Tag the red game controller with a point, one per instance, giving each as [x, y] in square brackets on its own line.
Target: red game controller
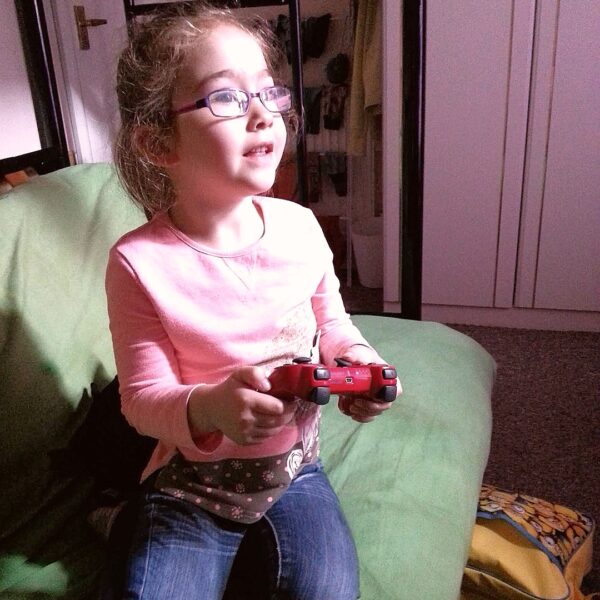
[315, 382]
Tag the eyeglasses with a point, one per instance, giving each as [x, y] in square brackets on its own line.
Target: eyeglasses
[235, 103]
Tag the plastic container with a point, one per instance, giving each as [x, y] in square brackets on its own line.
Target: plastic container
[367, 243]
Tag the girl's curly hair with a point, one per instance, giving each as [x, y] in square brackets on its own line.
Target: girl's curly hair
[147, 71]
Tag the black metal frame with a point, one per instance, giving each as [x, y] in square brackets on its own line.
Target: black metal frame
[38, 59]
[413, 132]
[413, 121]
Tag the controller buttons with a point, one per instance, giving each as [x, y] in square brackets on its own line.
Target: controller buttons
[342, 362]
[320, 395]
[389, 373]
[321, 374]
[387, 393]
[302, 360]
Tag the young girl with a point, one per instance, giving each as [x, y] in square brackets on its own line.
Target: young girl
[217, 289]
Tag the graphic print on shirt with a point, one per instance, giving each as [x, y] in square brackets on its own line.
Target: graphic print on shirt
[237, 489]
[296, 332]
[294, 460]
[296, 338]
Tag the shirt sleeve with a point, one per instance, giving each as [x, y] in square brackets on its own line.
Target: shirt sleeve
[153, 399]
[338, 332]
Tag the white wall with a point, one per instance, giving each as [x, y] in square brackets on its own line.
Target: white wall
[19, 133]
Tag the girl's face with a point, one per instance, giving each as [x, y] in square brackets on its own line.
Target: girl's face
[217, 159]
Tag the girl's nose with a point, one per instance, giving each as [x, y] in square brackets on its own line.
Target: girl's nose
[258, 116]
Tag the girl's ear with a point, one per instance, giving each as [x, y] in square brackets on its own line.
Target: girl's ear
[155, 147]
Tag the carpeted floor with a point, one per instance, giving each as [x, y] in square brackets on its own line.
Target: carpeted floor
[546, 407]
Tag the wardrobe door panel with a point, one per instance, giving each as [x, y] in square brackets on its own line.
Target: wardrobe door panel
[568, 269]
[467, 76]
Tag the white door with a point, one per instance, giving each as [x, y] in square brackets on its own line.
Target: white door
[89, 97]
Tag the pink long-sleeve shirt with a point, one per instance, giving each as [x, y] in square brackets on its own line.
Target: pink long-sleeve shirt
[182, 315]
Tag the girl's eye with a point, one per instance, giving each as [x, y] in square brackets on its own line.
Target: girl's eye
[228, 103]
[225, 96]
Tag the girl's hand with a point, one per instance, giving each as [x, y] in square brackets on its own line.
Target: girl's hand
[361, 408]
[239, 407]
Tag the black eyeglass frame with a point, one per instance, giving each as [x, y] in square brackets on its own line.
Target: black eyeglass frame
[205, 102]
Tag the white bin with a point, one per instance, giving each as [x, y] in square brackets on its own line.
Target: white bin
[367, 242]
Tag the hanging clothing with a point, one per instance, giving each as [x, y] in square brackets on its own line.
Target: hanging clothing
[367, 73]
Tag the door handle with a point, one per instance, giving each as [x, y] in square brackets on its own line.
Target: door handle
[82, 24]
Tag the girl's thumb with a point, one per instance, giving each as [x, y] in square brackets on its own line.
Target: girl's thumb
[253, 377]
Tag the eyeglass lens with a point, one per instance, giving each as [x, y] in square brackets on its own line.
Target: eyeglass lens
[228, 103]
[276, 99]
[232, 103]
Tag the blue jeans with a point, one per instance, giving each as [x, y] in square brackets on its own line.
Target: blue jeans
[180, 551]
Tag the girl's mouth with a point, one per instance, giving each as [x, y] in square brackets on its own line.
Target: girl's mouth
[260, 150]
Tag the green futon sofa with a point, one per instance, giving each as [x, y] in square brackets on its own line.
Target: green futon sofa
[409, 482]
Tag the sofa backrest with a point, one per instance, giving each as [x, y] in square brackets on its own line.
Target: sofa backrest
[55, 233]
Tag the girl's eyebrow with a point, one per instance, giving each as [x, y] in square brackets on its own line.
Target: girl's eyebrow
[228, 73]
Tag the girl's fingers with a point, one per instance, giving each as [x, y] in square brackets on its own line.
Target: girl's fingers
[262, 433]
[363, 408]
[254, 378]
[269, 423]
[275, 418]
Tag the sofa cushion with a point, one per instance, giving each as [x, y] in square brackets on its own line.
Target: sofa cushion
[409, 482]
[55, 233]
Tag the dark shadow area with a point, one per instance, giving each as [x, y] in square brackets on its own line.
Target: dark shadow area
[45, 542]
